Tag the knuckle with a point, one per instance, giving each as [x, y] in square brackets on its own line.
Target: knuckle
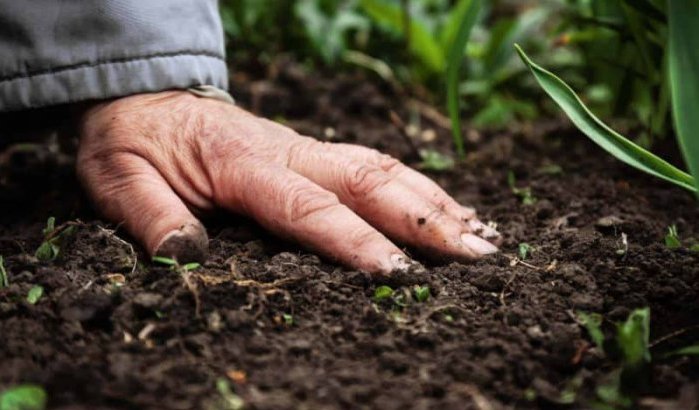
[306, 201]
[365, 179]
[386, 162]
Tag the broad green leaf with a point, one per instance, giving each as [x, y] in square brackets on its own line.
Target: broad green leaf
[423, 44]
[456, 55]
[25, 397]
[611, 141]
[35, 294]
[633, 336]
[684, 83]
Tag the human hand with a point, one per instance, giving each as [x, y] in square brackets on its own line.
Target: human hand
[149, 161]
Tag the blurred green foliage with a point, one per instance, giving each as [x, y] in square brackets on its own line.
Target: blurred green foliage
[611, 50]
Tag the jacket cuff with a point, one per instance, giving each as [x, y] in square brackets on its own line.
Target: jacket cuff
[113, 78]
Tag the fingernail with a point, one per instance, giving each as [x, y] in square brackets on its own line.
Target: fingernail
[477, 244]
[484, 231]
[187, 244]
[403, 263]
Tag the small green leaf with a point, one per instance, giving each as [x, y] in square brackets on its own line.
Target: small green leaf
[47, 251]
[25, 397]
[191, 266]
[229, 400]
[524, 250]
[35, 293]
[422, 293]
[694, 248]
[50, 226]
[672, 239]
[4, 281]
[633, 335]
[593, 324]
[164, 261]
[611, 141]
[435, 161]
[686, 351]
[288, 319]
[382, 293]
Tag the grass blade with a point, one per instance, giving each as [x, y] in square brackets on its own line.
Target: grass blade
[455, 56]
[611, 141]
[423, 44]
[684, 84]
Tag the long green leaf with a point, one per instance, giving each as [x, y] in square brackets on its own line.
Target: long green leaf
[611, 141]
[456, 55]
[684, 83]
[423, 44]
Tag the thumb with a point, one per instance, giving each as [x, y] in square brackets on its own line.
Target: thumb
[127, 189]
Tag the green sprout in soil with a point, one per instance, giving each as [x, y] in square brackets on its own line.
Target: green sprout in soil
[227, 399]
[24, 397]
[54, 238]
[4, 282]
[422, 293]
[631, 346]
[435, 161]
[34, 294]
[524, 250]
[174, 265]
[288, 319]
[382, 293]
[672, 239]
[525, 194]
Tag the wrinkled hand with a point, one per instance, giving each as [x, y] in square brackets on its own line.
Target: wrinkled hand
[148, 161]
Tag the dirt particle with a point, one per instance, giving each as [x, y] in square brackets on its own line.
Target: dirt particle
[421, 221]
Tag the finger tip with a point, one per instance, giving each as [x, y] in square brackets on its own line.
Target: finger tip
[188, 243]
[479, 246]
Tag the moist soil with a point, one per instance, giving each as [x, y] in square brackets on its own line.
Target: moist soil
[289, 330]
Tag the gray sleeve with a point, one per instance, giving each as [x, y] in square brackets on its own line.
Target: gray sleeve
[62, 51]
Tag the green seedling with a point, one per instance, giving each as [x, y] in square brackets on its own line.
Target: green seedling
[228, 400]
[4, 282]
[383, 293]
[525, 194]
[288, 319]
[24, 397]
[435, 161]
[524, 250]
[632, 342]
[34, 294]
[551, 169]
[422, 293]
[174, 265]
[672, 239]
[592, 322]
[54, 238]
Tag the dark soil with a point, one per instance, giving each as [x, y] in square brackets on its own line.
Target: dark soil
[287, 329]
